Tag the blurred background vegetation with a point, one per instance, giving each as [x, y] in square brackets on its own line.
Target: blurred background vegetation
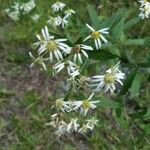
[26, 96]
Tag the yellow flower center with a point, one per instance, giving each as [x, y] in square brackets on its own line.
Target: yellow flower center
[145, 9]
[51, 45]
[59, 103]
[76, 49]
[85, 104]
[145, 1]
[109, 78]
[95, 35]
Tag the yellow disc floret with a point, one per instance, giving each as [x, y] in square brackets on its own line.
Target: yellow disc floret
[109, 78]
[76, 49]
[95, 34]
[59, 103]
[51, 45]
[85, 104]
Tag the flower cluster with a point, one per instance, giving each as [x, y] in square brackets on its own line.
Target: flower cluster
[18, 9]
[61, 55]
[84, 106]
[145, 9]
[60, 20]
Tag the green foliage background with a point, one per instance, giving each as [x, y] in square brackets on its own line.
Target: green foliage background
[124, 118]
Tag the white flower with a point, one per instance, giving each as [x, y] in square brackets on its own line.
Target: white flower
[63, 21]
[91, 123]
[69, 12]
[145, 10]
[78, 50]
[54, 121]
[27, 7]
[43, 37]
[108, 80]
[35, 17]
[72, 126]
[62, 105]
[72, 68]
[84, 105]
[58, 6]
[83, 129]
[54, 21]
[53, 46]
[97, 36]
[62, 128]
[38, 61]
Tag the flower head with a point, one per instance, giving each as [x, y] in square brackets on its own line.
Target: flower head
[60, 104]
[38, 61]
[72, 68]
[145, 9]
[73, 125]
[97, 36]
[69, 12]
[58, 6]
[84, 105]
[52, 46]
[79, 50]
[108, 80]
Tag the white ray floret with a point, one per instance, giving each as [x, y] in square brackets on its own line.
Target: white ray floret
[62, 105]
[55, 47]
[72, 68]
[69, 12]
[91, 123]
[84, 105]
[73, 125]
[97, 36]
[62, 21]
[38, 61]
[145, 9]
[58, 6]
[79, 50]
[108, 80]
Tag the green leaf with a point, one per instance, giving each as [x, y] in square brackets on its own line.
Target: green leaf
[101, 55]
[131, 23]
[107, 103]
[114, 19]
[135, 85]
[128, 82]
[147, 41]
[117, 31]
[136, 42]
[93, 16]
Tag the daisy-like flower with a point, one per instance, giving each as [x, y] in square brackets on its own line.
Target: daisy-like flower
[54, 21]
[38, 61]
[62, 128]
[84, 105]
[62, 105]
[83, 129]
[145, 10]
[78, 50]
[69, 12]
[97, 36]
[72, 68]
[73, 125]
[54, 121]
[52, 46]
[43, 37]
[108, 80]
[62, 21]
[58, 6]
[91, 123]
